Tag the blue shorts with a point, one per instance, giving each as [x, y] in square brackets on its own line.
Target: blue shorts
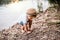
[23, 23]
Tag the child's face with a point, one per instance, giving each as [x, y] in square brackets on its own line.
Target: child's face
[29, 17]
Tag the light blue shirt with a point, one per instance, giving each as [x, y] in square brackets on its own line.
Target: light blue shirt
[22, 20]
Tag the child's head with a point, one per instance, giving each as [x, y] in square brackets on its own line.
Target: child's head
[31, 13]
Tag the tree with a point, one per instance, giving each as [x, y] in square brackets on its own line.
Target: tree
[54, 2]
[6, 1]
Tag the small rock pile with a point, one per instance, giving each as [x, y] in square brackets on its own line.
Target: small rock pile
[46, 26]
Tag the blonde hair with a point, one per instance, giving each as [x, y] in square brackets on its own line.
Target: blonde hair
[32, 12]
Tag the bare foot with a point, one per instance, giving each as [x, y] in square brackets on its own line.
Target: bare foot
[22, 31]
[29, 32]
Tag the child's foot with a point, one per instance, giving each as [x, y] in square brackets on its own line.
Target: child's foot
[22, 31]
[29, 32]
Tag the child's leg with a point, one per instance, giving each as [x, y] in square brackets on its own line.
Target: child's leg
[25, 28]
[22, 29]
[28, 28]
